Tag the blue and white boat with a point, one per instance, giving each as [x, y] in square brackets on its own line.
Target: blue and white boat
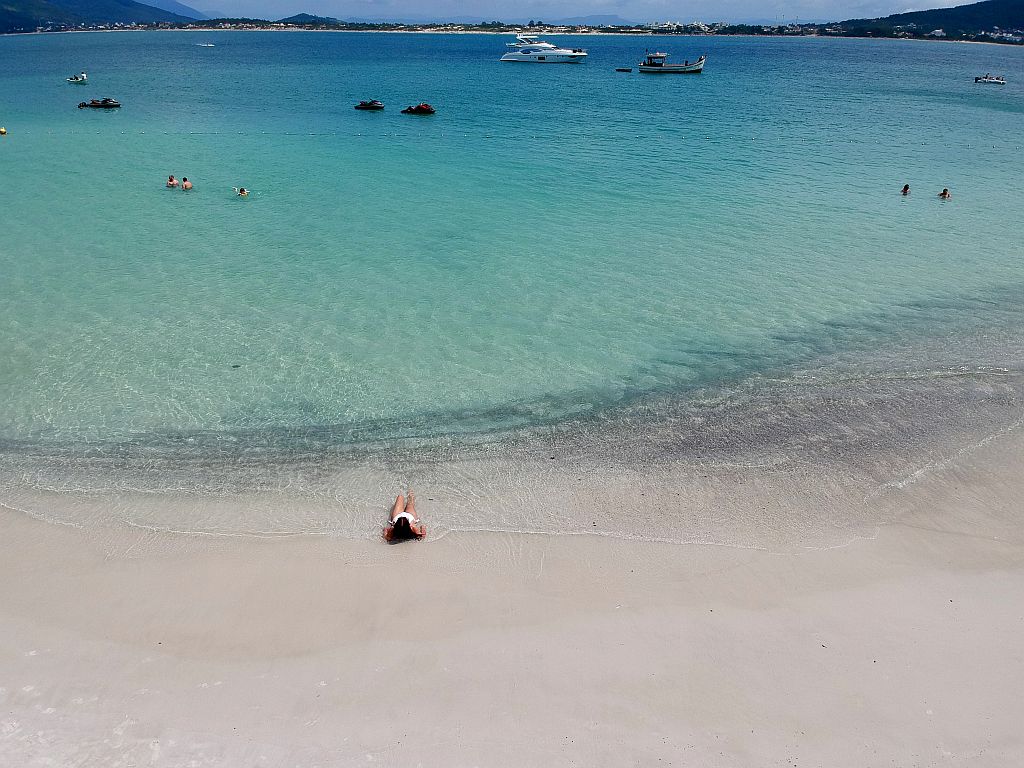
[657, 63]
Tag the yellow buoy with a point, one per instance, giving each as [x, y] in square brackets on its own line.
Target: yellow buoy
[3, 131]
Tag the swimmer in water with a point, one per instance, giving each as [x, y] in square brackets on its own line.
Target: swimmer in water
[172, 182]
[944, 194]
[241, 191]
[906, 190]
[185, 183]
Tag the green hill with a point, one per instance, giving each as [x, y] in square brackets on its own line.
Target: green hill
[306, 18]
[958, 21]
[27, 15]
[179, 8]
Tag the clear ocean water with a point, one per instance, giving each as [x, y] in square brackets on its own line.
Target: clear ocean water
[556, 243]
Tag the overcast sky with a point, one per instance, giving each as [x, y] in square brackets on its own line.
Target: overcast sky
[632, 10]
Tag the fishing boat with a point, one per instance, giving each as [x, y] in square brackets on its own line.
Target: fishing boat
[991, 80]
[657, 63]
[79, 79]
[529, 49]
[373, 105]
[100, 104]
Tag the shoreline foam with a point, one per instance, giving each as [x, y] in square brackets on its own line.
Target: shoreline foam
[821, 451]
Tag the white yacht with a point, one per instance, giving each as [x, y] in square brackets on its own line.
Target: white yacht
[529, 48]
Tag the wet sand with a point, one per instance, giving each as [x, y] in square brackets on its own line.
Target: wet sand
[125, 646]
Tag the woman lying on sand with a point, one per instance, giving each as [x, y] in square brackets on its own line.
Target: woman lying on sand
[403, 523]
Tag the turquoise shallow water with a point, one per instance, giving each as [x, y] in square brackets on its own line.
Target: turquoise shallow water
[557, 241]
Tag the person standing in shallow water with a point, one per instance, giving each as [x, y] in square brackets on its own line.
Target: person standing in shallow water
[402, 522]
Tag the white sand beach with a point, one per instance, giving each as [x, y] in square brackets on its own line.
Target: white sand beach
[125, 647]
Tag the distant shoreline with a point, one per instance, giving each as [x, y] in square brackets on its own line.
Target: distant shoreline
[432, 31]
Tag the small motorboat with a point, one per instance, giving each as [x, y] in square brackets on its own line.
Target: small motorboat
[80, 79]
[100, 104]
[420, 109]
[623, 69]
[991, 80]
[658, 63]
[371, 106]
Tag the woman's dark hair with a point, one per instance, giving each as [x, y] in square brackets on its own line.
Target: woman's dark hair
[401, 529]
